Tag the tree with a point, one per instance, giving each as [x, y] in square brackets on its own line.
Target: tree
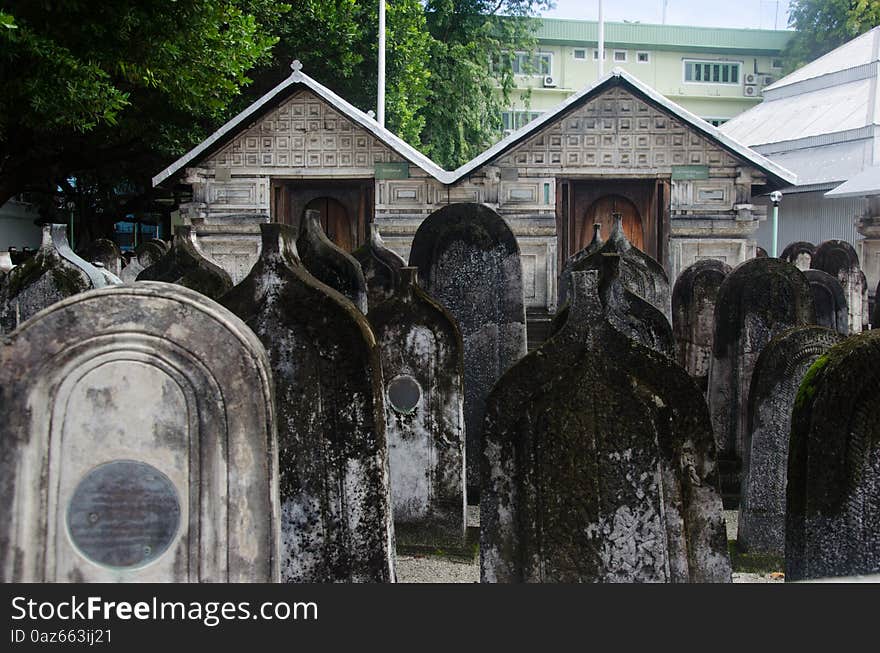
[104, 92]
[823, 25]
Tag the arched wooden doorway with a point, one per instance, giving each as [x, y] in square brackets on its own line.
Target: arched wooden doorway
[602, 212]
[335, 221]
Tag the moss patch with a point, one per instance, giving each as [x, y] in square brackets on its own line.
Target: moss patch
[753, 563]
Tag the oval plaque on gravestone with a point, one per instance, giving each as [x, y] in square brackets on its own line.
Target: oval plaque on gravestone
[123, 514]
[404, 394]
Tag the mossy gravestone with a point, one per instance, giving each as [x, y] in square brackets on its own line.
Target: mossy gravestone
[565, 278]
[830, 301]
[599, 463]
[52, 274]
[145, 255]
[328, 263]
[422, 361]
[693, 315]
[137, 443]
[832, 524]
[468, 260]
[186, 265]
[799, 254]
[335, 505]
[640, 273]
[381, 268]
[105, 252]
[756, 301]
[778, 374]
[839, 259]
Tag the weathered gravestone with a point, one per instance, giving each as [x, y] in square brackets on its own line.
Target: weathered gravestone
[778, 374]
[147, 254]
[328, 263]
[52, 274]
[839, 259]
[336, 523]
[574, 259]
[186, 265]
[138, 443]
[875, 320]
[756, 301]
[829, 300]
[640, 273]
[6, 262]
[381, 267]
[105, 252]
[599, 463]
[422, 361]
[626, 311]
[832, 524]
[799, 254]
[693, 315]
[468, 260]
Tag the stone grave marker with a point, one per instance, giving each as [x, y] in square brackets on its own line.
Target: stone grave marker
[799, 254]
[328, 263]
[147, 254]
[186, 265]
[599, 463]
[52, 274]
[830, 301]
[778, 374]
[138, 443]
[381, 267]
[336, 521]
[839, 259]
[422, 361]
[565, 278]
[468, 261]
[832, 523]
[105, 252]
[693, 315]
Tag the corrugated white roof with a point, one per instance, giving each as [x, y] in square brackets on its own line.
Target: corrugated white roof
[640, 88]
[858, 52]
[298, 77]
[866, 183]
[823, 111]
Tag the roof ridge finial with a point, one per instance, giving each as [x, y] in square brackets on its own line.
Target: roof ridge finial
[296, 66]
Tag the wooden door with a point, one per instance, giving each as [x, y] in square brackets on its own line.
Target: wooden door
[335, 222]
[602, 212]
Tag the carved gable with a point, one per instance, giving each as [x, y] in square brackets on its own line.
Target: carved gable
[304, 132]
[620, 131]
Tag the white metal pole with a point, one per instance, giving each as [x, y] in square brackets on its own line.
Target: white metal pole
[665, 3]
[775, 228]
[601, 42]
[380, 95]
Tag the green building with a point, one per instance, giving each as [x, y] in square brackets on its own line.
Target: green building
[713, 72]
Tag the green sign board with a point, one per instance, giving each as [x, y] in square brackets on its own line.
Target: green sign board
[690, 172]
[396, 170]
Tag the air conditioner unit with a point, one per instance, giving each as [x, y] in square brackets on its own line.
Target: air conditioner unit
[549, 81]
[751, 79]
[750, 90]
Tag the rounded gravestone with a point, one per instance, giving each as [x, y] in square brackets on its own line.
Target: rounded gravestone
[186, 265]
[839, 259]
[830, 301]
[105, 252]
[799, 254]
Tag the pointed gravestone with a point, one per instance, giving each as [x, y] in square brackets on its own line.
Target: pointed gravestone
[336, 523]
[799, 254]
[137, 443]
[833, 495]
[468, 260]
[599, 463]
[756, 301]
[52, 274]
[830, 301]
[105, 252]
[146, 254]
[422, 362]
[779, 371]
[187, 266]
[381, 267]
[640, 273]
[693, 315]
[328, 263]
[574, 259]
[839, 259]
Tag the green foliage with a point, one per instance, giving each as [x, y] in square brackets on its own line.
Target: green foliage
[823, 25]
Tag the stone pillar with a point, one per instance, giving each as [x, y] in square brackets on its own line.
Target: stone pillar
[869, 247]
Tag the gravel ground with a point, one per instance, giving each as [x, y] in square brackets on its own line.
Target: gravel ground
[431, 569]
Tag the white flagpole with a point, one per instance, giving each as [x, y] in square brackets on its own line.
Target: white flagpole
[601, 42]
[380, 95]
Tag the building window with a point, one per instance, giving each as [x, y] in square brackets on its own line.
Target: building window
[596, 55]
[620, 56]
[580, 53]
[776, 63]
[643, 57]
[521, 63]
[513, 120]
[711, 72]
